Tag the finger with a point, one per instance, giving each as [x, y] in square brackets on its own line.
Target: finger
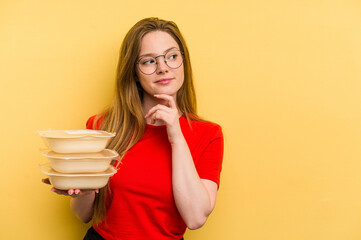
[160, 115]
[157, 108]
[60, 192]
[154, 118]
[73, 192]
[168, 98]
[46, 180]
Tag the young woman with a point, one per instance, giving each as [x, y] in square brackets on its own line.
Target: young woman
[169, 172]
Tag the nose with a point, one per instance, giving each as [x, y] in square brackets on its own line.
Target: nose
[161, 65]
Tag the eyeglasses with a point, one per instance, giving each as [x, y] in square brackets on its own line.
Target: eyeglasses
[148, 64]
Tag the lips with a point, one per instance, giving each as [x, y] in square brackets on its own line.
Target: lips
[164, 80]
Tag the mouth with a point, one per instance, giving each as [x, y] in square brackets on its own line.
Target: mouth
[164, 80]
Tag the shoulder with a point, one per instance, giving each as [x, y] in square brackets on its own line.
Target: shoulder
[201, 128]
[206, 127]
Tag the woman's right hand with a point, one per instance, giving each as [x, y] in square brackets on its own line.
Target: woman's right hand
[70, 192]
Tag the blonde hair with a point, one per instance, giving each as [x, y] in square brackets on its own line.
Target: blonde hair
[125, 116]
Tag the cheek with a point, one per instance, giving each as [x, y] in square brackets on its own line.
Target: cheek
[181, 74]
[143, 84]
[144, 80]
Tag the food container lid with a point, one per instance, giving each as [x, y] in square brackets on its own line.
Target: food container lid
[46, 169]
[106, 153]
[80, 133]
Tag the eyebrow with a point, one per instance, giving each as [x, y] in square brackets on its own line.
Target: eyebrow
[153, 54]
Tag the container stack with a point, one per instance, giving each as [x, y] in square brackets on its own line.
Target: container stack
[78, 158]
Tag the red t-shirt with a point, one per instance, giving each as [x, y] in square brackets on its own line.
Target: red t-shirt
[143, 206]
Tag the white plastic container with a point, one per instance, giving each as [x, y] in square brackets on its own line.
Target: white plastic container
[80, 162]
[76, 141]
[65, 181]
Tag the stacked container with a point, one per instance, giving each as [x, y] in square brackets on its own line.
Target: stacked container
[78, 158]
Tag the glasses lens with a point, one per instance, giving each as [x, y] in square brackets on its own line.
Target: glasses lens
[174, 59]
[147, 65]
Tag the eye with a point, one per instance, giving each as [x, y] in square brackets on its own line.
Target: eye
[147, 61]
[173, 56]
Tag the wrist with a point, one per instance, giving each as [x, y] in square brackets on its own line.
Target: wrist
[177, 141]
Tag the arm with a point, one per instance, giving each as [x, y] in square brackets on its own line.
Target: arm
[83, 205]
[82, 201]
[194, 197]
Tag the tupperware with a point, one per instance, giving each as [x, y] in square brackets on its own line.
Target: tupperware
[76, 141]
[80, 162]
[65, 181]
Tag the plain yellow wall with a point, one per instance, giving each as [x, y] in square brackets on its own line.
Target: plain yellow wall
[283, 78]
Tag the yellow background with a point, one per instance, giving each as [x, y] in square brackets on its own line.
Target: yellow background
[283, 78]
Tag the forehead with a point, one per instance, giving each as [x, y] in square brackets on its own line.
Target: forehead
[157, 42]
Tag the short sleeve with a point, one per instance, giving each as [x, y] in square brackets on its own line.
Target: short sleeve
[209, 165]
[93, 122]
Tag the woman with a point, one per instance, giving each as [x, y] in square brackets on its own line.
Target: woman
[168, 176]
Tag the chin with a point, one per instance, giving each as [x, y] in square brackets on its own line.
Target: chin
[168, 93]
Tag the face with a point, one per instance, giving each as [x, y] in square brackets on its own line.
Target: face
[164, 80]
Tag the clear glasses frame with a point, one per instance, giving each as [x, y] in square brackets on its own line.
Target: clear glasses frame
[156, 61]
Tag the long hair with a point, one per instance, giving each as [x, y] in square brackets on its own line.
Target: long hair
[125, 116]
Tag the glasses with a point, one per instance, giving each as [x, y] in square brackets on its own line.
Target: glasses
[148, 65]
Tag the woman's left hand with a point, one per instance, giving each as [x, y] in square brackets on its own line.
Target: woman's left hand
[169, 114]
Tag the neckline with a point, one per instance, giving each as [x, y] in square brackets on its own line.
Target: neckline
[156, 126]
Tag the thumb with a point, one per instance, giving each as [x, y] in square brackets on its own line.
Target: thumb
[46, 180]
